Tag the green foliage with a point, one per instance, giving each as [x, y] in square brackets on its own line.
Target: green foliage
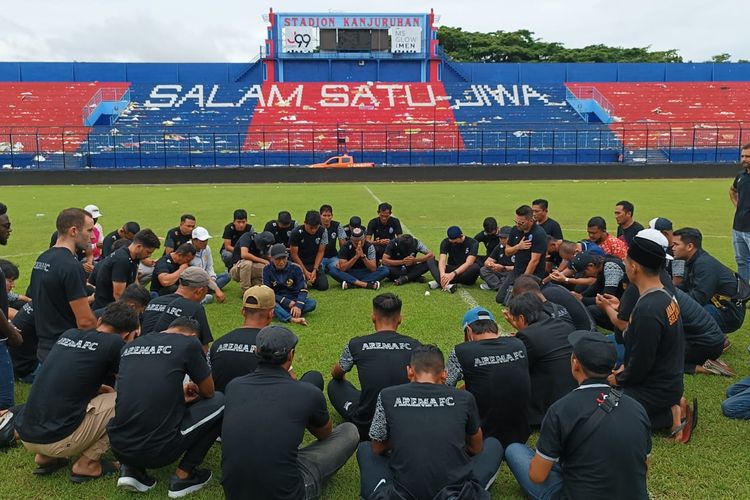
[712, 466]
[523, 46]
[721, 58]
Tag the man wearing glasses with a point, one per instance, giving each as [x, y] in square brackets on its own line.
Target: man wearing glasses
[528, 244]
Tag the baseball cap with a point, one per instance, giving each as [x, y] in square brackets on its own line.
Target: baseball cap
[264, 239]
[355, 221]
[593, 350]
[657, 237]
[284, 217]
[475, 314]
[275, 341]
[357, 233]
[454, 232]
[93, 210]
[279, 250]
[504, 232]
[580, 261]
[660, 224]
[194, 277]
[201, 233]
[259, 297]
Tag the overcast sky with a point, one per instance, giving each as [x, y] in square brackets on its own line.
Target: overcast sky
[233, 30]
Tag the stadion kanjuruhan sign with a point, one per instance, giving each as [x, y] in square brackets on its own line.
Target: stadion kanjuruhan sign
[341, 21]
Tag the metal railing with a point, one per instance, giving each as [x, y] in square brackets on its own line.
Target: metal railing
[430, 143]
[590, 92]
[102, 95]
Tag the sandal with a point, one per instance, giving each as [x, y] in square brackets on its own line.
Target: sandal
[51, 467]
[108, 468]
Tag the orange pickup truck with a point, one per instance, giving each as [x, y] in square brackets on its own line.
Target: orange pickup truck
[343, 161]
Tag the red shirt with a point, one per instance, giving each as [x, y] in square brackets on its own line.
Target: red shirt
[614, 246]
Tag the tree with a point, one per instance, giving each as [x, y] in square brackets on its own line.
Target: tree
[721, 58]
[523, 46]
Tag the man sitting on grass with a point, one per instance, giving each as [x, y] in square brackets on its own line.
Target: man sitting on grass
[357, 265]
[288, 282]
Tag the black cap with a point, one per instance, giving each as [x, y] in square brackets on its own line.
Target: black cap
[355, 221]
[278, 250]
[580, 261]
[274, 343]
[647, 253]
[264, 239]
[504, 232]
[594, 351]
[284, 217]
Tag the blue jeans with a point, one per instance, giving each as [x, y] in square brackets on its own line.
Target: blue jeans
[284, 315]
[374, 470]
[737, 404]
[518, 457]
[620, 348]
[7, 396]
[741, 242]
[353, 275]
[328, 262]
[222, 280]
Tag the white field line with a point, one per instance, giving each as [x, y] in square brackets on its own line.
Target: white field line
[462, 292]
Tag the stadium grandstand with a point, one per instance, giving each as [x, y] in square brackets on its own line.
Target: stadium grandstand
[377, 86]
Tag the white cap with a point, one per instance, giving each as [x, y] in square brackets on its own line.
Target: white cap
[201, 233]
[93, 210]
[657, 237]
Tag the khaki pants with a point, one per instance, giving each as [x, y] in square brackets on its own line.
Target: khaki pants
[247, 273]
[90, 438]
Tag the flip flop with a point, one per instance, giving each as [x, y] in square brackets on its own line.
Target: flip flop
[52, 467]
[692, 418]
[108, 468]
[684, 422]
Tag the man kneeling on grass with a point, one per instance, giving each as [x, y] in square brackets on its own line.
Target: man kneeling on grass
[69, 406]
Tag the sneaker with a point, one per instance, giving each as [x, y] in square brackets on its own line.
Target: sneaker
[718, 367]
[181, 487]
[134, 479]
[344, 285]
[485, 286]
[451, 288]
[373, 285]
[400, 280]
[433, 285]
[208, 299]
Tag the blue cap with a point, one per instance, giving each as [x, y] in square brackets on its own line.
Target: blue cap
[475, 314]
[454, 232]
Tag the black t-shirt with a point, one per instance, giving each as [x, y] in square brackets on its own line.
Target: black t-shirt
[538, 245]
[308, 244]
[498, 255]
[388, 231]
[233, 355]
[381, 359]
[742, 213]
[24, 356]
[165, 265]
[654, 351]
[57, 278]
[267, 412]
[119, 267]
[109, 241]
[496, 372]
[161, 311]
[427, 425]
[80, 254]
[281, 235]
[175, 238]
[335, 233]
[548, 352]
[552, 228]
[247, 241]
[3, 295]
[578, 313]
[75, 368]
[231, 234]
[611, 462]
[490, 241]
[150, 398]
[628, 234]
[397, 252]
[347, 252]
[611, 280]
[458, 252]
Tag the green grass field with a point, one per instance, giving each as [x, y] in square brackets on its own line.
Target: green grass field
[713, 465]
